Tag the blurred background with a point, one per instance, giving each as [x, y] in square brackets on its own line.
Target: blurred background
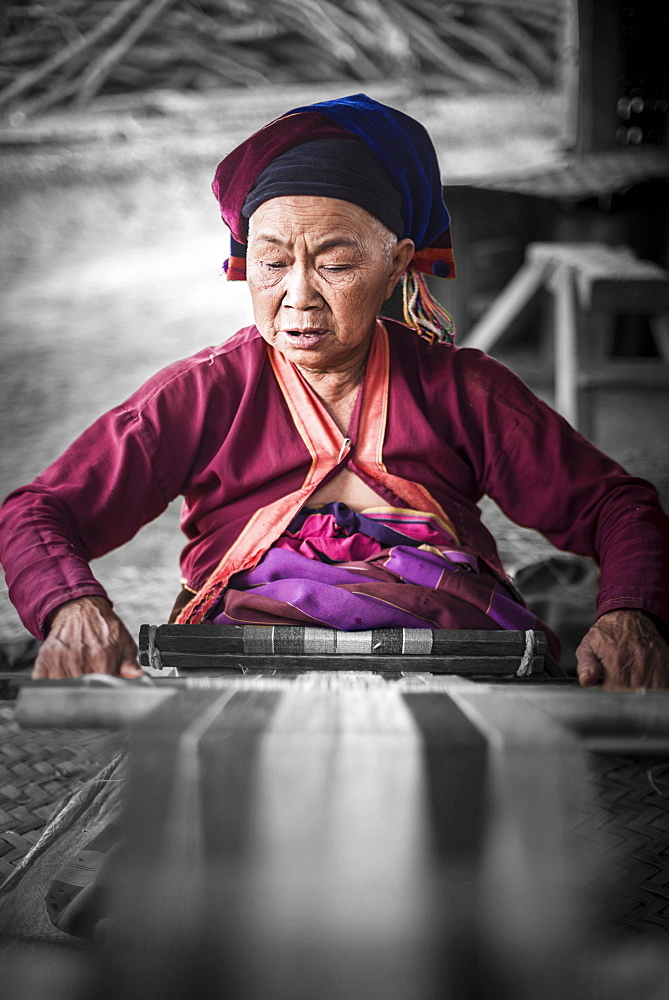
[549, 119]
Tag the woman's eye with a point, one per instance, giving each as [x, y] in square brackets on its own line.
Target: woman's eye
[336, 268]
[273, 264]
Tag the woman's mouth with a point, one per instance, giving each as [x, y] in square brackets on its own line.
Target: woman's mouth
[304, 339]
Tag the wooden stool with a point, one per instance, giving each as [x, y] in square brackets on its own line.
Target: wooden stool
[591, 284]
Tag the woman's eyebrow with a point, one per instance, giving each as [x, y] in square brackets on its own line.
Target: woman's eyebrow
[326, 244]
[337, 241]
[268, 238]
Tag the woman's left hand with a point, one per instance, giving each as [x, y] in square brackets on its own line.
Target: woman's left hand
[624, 650]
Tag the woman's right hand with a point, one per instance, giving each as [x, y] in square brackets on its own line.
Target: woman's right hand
[86, 637]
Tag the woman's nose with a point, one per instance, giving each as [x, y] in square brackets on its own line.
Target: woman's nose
[301, 291]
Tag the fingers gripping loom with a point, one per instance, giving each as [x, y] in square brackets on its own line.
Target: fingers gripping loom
[87, 637]
[624, 649]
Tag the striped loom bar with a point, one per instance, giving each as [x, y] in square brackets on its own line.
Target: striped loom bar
[306, 641]
[287, 647]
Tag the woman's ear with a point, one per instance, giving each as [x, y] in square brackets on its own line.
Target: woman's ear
[403, 252]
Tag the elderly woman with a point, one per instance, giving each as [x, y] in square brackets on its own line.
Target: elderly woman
[331, 461]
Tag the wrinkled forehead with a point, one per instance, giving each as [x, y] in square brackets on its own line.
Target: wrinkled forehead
[318, 222]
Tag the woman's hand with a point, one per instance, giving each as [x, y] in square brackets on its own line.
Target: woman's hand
[87, 637]
[624, 649]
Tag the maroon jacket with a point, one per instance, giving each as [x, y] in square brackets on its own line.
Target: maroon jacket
[216, 429]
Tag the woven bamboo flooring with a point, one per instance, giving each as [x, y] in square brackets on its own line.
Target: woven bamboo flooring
[39, 769]
[633, 800]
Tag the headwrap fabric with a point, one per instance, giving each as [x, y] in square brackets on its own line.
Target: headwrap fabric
[331, 168]
[238, 172]
[403, 149]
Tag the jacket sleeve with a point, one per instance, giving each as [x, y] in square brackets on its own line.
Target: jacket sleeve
[96, 496]
[546, 476]
[121, 473]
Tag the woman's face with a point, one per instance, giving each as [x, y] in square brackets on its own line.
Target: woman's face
[319, 270]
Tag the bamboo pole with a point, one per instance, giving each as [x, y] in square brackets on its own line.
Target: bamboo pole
[259, 29]
[387, 33]
[59, 59]
[59, 92]
[94, 77]
[433, 48]
[320, 16]
[492, 50]
[95, 46]
[533, 54]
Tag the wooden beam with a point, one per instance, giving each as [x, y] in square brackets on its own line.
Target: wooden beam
[509, 303]
[659, 326]
[242, 640]
[565, 347]
[598, 69]
[478, 664]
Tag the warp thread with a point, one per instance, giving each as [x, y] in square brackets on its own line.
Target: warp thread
[527, 659]
[155, 659]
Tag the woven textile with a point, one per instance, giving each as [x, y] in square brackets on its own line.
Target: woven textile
[627, 821]
[298, 641]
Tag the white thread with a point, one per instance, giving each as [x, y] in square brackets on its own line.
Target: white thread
[527, 659]
[155, 660]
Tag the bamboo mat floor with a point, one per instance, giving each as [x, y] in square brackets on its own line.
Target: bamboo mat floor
[39, 770]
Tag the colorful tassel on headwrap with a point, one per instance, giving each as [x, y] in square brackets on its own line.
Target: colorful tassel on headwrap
[423, 312]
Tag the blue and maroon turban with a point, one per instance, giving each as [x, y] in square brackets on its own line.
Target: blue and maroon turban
[394, 174]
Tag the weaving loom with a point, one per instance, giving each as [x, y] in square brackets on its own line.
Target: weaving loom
[292, 830]
[250, 647]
